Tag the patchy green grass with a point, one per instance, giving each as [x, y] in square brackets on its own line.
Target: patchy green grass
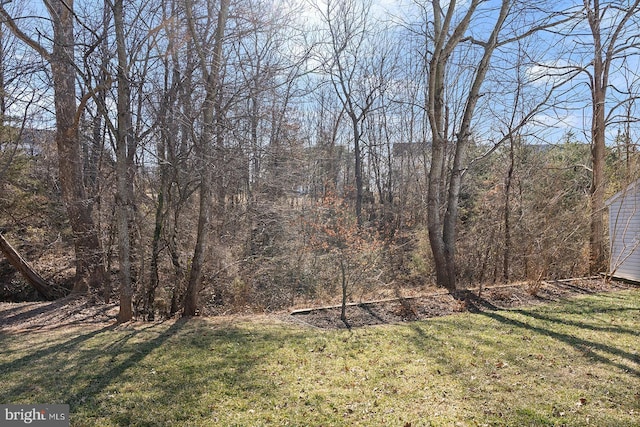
[574, 363]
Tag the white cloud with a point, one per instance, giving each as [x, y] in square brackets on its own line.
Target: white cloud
[552, 73]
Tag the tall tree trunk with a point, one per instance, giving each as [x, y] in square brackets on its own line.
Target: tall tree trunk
[212, 120]
[442, 227]
[168, 131]
[613, 42]
[434, 216]
[355, 123]
[90, 273]
[597, 253]
[154, 280]
[198, 259]
[597, 257]
[124, 175]
[506, 255]
[3, 101]
[436, 112]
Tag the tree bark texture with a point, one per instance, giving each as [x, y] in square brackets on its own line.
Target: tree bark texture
[32, 277]
[124, 169]
[90, 273]
[598, 95]
[441, 221]
[358, 167]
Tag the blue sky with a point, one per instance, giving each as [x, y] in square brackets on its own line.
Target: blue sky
[571, 111]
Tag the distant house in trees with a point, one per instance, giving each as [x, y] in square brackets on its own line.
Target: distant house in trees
[407, 155]
[624, 233]
[406, 149]
[32, 140]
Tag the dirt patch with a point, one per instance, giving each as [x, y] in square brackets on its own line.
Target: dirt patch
[441, 304]
[64, 312]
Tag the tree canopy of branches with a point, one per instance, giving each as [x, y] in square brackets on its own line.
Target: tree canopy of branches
[197, 141]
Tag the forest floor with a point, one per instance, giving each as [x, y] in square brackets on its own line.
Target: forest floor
[77, 310]
[58, 314]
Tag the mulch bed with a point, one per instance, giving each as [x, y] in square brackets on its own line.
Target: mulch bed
[85, 311]
[441, 304]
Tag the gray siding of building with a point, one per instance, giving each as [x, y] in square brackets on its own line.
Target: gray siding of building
[624, 233]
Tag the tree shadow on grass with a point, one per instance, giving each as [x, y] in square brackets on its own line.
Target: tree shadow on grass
[582, 325]
[7, 313]
[584, 346]
[131, 375]
[36, 365]
[15, 314]
[46, 352]
[70, 358]
[61, 313]
[369, 310]
[207, 370]
[468, 348]
[103, 378]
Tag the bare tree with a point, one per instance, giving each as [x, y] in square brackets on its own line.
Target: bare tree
[210, 68]
[453, 131]
[447, 36]
[614, 29]
[172, 118]
[90, 272]
[355, 64]
[125, 150]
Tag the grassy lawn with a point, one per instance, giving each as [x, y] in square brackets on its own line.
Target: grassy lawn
[574, 363]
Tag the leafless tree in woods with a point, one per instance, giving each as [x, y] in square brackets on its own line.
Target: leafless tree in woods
[450, 33]
[210, 67]
[217, 126]
[614, 30]
[355, 64]
[173, 114]
[125, 46]
[125, 151]
[15, 108]
[90, 272]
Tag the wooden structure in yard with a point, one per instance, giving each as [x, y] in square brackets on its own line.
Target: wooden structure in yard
[624, 233]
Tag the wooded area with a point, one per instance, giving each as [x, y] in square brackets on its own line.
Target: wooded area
[190, 156]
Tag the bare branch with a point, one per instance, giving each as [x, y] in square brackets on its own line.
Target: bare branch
[10, 22]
